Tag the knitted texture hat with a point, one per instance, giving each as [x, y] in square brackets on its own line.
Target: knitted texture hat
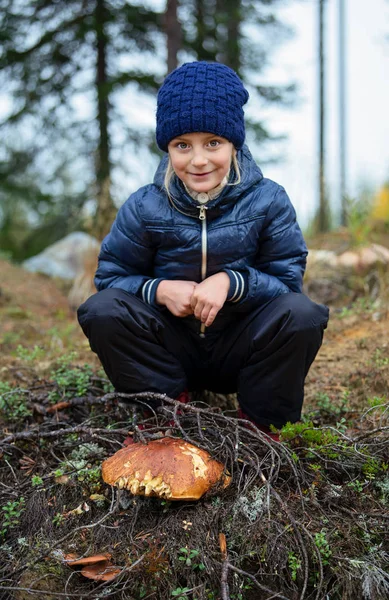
[201, 97]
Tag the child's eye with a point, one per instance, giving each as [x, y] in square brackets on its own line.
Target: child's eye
[182, 145]
[214, 143]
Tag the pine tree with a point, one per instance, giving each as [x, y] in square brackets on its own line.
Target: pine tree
[173, 33]
[55, 55]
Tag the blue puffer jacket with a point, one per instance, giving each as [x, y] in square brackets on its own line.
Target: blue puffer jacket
[249, 231]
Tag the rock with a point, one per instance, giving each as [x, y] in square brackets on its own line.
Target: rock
[332, 278]
[364, 258]
[64, 259]
[360, 259]
[326, 257]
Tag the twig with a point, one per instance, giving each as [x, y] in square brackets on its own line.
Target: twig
[370, 433]
[28, 435]
[254, 580]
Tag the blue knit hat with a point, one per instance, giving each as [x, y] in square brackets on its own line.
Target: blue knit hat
[201, 97]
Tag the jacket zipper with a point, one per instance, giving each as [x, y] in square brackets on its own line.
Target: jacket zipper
[203, 219]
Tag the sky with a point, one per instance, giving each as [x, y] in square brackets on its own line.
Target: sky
[367, 101]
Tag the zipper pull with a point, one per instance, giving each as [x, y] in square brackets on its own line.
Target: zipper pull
[202, 215]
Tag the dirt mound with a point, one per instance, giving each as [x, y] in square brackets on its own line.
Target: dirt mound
[34, 313]
[31, 292]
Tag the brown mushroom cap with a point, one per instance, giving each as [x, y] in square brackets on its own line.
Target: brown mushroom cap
[101, 571]
[74, 561]
[169, 468]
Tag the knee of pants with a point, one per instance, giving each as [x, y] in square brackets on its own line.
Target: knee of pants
[101, 308]
[303, 314]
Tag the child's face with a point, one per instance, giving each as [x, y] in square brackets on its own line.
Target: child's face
[201, 160]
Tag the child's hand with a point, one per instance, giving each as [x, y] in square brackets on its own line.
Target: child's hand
[176, 295]
[209, 296]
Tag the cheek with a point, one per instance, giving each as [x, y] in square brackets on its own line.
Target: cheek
[226, 165]
[178, 164]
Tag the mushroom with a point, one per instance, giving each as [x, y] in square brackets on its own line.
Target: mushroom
[74, 561]
[97, 567]
[101, 571]
[169, 468]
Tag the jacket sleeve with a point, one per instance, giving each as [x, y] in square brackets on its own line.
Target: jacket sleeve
[126, 256]
[280, 262]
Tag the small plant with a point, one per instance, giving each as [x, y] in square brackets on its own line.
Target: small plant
[91, 476]
[12, 513]
[70, 381]
[380, 401]
[81, 461]
[327, 405]
[58, 519]
[191, 559]
[360, 306]
[58, 473]
[323, 546]
[253, 505]
[294, 564]
[372, 467]
[383, 486]
[345, 311]
[356, 486]
[358, 223]
[36, 480]
[378, 359]
[308, 434]
[341, 425]
[29, 354]
[13, 403]
[180, 593]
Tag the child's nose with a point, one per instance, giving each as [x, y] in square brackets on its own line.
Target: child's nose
[199, 159]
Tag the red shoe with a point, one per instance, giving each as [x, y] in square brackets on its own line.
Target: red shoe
[183, 397]
[264, 428]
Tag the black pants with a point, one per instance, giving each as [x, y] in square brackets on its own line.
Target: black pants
[264, 355]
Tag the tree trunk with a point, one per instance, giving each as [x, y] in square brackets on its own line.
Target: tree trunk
[323, 216]
[233, 34]
[204, 12]
[105, 210]
[173, 34]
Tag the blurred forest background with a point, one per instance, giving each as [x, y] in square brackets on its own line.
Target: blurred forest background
[73, 73]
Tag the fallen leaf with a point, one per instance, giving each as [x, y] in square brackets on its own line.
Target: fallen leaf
[58, 406]
[97, 498]
[79, 510]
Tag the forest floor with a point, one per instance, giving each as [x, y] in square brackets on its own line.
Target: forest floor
[319, 531]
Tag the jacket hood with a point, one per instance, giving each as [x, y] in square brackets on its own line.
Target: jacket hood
[251, 174]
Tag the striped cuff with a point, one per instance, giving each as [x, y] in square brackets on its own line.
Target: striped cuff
[149, 290]
[238, 285]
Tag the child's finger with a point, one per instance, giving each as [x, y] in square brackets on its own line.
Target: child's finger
[211, 316]
[198, 310]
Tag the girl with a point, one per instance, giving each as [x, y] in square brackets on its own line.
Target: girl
[200, 278]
